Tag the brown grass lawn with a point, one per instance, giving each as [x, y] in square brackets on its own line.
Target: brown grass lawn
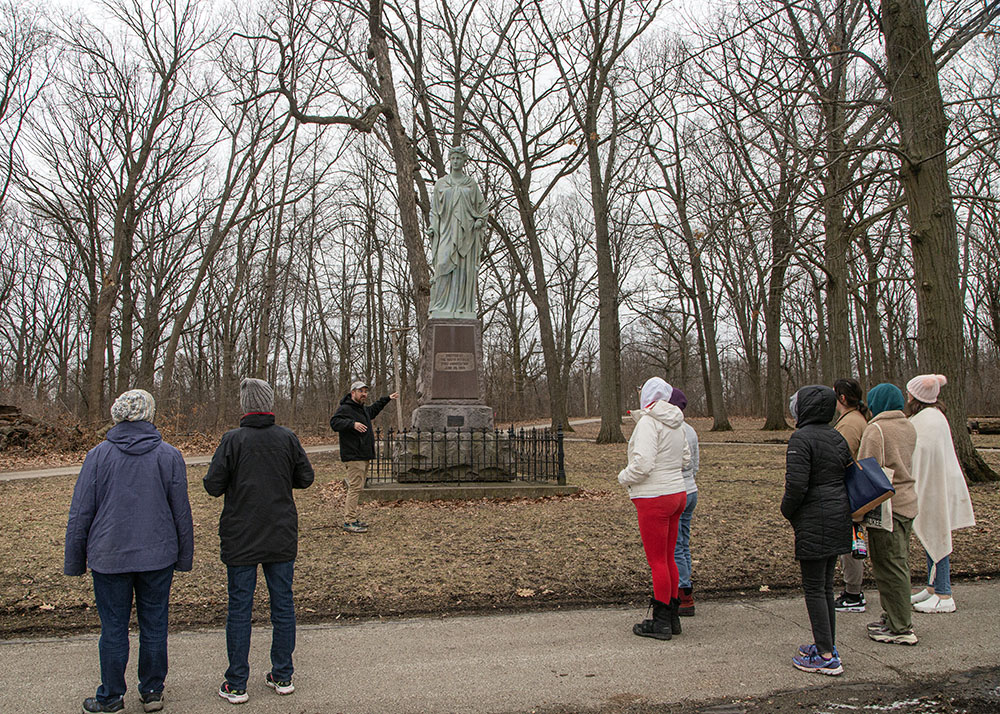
[469, 556]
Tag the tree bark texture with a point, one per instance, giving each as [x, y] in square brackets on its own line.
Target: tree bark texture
[919, 112]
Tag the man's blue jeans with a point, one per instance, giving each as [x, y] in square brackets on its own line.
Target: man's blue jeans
[682, 552]
[113, 594]
[242, 583]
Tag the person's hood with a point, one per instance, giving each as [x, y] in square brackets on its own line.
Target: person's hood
[663, 411]
[134, 437]
[814, 404]
[885, 397]
[654, 390]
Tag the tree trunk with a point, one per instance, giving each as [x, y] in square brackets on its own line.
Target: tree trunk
[610, 338]
[919, 110]
[405, 161]
[774, 389]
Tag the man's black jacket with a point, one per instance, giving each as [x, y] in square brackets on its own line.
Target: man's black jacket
[256, 467]
[355, 446]
[815, 499]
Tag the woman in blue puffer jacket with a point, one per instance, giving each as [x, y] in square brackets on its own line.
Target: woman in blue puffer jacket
[130, 522]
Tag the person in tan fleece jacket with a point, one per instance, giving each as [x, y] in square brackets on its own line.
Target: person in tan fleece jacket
[851, 423]
[891, 439]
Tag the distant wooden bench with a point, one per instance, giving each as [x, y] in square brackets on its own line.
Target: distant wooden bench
[985, 425]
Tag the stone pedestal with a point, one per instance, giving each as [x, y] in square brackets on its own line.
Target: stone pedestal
[448, 456]
[450, 389]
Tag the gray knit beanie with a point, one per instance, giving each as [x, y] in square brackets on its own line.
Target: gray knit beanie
[134, 405]
[256, 395]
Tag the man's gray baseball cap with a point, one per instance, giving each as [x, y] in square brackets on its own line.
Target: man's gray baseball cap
[359, 384]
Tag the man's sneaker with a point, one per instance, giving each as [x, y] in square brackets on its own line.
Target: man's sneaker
[281, 686]
[91, 705]
[152, 701]
[848, 602]
[935, 604]
[810, 650]
[355, 527]
[233, 695]
[815, 663]
[884, 634]
[920, 595]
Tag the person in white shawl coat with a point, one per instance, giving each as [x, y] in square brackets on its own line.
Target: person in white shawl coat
[943, 503]
[658, 453]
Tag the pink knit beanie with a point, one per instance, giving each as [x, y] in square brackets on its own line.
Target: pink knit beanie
[925, 387]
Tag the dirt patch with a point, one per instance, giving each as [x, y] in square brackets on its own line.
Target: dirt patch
[459, 556]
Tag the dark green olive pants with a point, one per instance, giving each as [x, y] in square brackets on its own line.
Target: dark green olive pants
[891, 568]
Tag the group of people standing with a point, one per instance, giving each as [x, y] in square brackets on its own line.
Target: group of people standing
[130, 520]
[910, 438]
[130, 523]
[907, 435]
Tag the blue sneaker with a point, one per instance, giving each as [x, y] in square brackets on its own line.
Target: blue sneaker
[810, 650]
[815, 663]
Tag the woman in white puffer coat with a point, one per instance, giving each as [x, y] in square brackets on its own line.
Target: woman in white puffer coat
[657, 455]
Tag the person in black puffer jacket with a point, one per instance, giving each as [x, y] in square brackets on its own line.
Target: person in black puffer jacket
[815, 502]
[256, 466]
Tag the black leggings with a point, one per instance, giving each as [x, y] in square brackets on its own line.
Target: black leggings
[817, 581]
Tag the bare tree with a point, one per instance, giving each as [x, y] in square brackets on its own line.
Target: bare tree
[587, 48]
[919, 110]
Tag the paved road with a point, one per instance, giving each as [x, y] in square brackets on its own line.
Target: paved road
[516, 663]
[189, 460]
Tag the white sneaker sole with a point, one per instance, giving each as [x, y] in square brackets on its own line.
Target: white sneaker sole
[839, 669]
[935, 611]
[280, 690]
[235, 698]
[850, 608]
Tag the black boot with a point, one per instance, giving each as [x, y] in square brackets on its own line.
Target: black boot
[675, 618]
[659, 627]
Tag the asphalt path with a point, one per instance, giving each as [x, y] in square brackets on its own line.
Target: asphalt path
[571, 660]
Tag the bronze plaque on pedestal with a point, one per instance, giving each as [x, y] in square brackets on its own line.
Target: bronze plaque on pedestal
[454, 362]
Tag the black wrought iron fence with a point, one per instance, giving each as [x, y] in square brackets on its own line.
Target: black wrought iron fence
[463, 455]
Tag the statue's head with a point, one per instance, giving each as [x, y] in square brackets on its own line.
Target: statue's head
[457, 157]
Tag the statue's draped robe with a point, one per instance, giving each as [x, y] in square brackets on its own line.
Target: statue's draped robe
[456, 246]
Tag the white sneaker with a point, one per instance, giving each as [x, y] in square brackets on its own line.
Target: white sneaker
[935, 604]
[920, 595]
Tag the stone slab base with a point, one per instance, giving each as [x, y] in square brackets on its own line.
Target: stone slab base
[459, 492]
[438, 417]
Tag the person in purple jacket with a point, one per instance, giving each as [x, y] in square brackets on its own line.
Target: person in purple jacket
[130, 522]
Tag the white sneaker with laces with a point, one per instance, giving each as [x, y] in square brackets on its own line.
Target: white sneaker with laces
[921, 595]
[935, 604]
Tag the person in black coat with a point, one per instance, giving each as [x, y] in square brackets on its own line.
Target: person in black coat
[815, 502]
[256, 467]
[353, 421]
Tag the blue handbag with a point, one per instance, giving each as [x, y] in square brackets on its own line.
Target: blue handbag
[867, 486]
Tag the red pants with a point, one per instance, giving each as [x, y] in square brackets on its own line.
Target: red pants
[658, 518]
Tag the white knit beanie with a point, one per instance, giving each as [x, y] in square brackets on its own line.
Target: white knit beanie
[134, 405]
[926, 387]
[256, 395]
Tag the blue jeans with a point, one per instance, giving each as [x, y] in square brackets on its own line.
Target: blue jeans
[942, 577]
[682, 552]
[242, 583]
[113, 594]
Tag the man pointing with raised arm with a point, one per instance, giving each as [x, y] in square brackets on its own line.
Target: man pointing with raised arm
[353, 421]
